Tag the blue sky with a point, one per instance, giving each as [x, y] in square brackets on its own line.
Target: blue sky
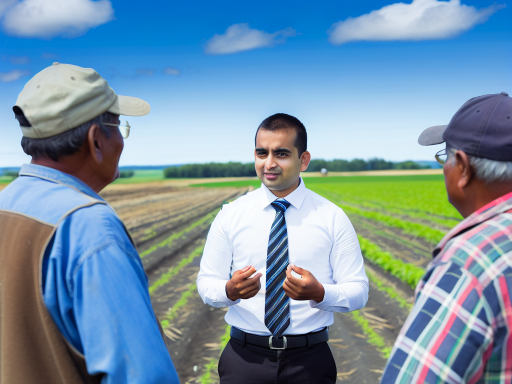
[364, 77]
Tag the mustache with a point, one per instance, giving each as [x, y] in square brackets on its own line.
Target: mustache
[275, 170]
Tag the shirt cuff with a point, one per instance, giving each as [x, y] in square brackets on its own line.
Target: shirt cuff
[330, 298]
[222, 298]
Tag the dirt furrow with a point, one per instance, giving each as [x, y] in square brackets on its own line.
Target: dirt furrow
[407, 248]
[170, 232]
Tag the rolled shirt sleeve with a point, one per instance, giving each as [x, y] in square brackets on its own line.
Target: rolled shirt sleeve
[119, 331]
[350, 291]
[215, 268]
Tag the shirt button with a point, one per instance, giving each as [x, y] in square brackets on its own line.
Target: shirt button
[504, 93]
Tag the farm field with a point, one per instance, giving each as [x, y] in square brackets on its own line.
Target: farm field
[398, 219]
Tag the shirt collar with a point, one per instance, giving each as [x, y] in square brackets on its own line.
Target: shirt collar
[295, 198]
[53, 175]
[495, 207]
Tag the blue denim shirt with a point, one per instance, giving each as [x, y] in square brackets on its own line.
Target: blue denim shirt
[93, 281]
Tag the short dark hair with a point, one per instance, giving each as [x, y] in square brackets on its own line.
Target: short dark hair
[283, 121]
[64, 144]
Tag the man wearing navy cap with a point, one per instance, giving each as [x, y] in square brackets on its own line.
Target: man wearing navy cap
[460, 329]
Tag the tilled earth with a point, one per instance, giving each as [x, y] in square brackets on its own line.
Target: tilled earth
[169, 226]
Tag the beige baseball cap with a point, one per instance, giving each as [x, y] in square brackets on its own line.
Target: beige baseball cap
[63, 96]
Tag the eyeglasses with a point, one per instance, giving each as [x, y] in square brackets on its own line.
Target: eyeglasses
[441, 156]
[124, 129]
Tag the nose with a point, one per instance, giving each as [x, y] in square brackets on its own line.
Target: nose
[270, 163]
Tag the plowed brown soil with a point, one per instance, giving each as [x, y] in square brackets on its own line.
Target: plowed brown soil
[157, 212]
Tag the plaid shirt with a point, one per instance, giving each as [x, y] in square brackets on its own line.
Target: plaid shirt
[459, 330]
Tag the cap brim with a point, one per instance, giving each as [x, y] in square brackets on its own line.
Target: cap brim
[129, 106]
[432, 135]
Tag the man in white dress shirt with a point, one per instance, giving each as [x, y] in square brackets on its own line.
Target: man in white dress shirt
[283, 259]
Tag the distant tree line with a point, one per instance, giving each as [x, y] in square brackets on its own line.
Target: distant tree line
[12, 174]
[374, 164]
[233, 169]
[230, 169]
[126, 174]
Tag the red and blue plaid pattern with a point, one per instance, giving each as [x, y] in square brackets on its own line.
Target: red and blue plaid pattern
[460, 329]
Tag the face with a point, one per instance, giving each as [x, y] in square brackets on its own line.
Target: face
[457, 176]
[108, 150]
[115, 146]
[277, 161]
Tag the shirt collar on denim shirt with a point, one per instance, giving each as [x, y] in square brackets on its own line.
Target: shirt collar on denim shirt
[295, 198]
[56, 176]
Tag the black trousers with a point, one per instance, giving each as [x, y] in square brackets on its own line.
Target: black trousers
[257, 365]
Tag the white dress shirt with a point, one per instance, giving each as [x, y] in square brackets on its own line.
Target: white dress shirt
[321, 239]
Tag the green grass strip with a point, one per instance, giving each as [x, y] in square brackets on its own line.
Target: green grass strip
[372, 337]
[167, 242]
[408, 273]
[206, 378]
[448, 223]
[383, 205]
[414, 229]
[389, 290]
[173, 312]
[171, 272]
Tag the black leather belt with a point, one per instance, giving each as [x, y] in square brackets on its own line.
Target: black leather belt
[283, 342]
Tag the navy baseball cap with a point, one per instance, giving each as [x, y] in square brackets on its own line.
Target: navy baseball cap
[482, 127]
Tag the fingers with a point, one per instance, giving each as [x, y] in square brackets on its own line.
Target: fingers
[250, 294]
[300, 271]
[291, 279]
[247, 272]
[290, 291]
[249, 282]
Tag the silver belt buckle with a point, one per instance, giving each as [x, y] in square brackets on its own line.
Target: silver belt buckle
[285, 342]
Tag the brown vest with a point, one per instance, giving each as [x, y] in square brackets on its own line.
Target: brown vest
[32, 349]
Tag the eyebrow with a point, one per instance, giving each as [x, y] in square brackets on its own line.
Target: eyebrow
[275, 150]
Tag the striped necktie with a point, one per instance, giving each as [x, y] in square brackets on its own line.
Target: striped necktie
[277, 304]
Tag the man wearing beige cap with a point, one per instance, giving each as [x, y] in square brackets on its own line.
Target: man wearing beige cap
[74, 301]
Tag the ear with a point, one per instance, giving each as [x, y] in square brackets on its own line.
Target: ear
[96, 143]
[465, 169]
[305, 158]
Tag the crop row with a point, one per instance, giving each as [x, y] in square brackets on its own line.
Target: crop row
[358, 202]
[176, 235]
[206, 378]
[420, 196]
[408, 273]
[389, 290]
[432, 235]
[171, 272]
[414, 229]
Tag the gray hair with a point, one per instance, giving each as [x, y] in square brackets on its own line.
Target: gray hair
[489, 171]
[66, 143]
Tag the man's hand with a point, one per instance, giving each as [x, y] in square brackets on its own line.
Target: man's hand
[306, 288]
[241, 286]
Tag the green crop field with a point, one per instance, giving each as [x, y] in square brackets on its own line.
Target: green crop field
[143, 176]
[4, 180]
[398, 220]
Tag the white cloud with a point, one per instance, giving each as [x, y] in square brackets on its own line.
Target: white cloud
[5, 4]
[7, 77]
[50, 18]
[241, 37]
[419, 20]
[171, 71]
